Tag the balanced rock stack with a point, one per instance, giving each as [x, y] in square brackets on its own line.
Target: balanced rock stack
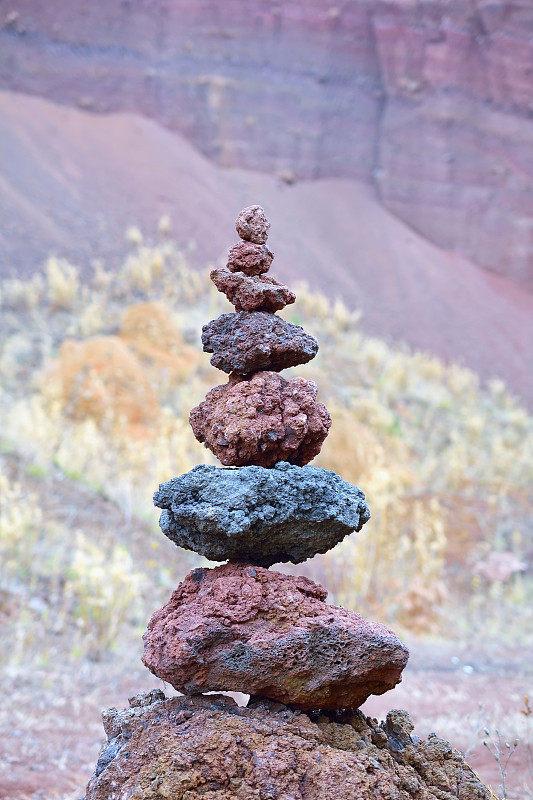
[241, 627]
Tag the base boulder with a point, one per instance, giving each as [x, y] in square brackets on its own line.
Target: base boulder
[207, 747]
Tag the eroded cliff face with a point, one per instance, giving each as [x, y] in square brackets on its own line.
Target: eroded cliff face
[456, 138]
[431, 100]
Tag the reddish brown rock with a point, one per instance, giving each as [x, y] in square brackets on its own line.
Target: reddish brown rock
[248, 629]
[250, 258]
[262, 420]
[255, 340]
[187, 748]
[252, 293]
[252, 225]
[260, 516]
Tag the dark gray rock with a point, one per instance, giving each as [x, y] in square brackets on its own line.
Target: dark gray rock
[256, 340]
[260, 516]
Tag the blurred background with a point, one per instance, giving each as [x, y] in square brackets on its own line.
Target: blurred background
[391, 145]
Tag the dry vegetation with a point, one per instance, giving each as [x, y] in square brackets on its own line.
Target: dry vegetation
[97, 378]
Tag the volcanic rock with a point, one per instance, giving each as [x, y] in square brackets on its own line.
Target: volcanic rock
[248, 629]
[187, 748]
[262, 420]
[252, 225]
[260, 516]
[252, 293]
[250, 258]
[251, 341]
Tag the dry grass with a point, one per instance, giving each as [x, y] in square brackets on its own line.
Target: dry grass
[97, 378]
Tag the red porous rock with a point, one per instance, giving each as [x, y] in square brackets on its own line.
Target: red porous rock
[252, 292]
[262, 420]
[252, 225]
[250, 258]
[248, 629]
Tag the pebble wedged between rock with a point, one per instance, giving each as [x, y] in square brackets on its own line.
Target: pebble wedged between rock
[188, 748]
[249, 629]
[249, 341]
[261, 516]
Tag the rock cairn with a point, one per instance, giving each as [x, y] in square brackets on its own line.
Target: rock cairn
[241, 627]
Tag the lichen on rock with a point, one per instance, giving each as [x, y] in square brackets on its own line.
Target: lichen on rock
[261, 516]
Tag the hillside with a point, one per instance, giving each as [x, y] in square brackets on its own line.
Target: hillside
[430, 101]
[72, 182]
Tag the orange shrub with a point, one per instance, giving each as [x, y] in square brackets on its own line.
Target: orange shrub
[102, 379]
[149, 330]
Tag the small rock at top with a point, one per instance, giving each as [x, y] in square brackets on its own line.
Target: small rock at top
[252, 225]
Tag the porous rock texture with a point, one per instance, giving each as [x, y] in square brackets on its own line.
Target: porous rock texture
[260, 516]
[252, 225]
[243, 628]
[250, 258]
[250, 341]
[207, 747]
[262, 420]
[252, 293]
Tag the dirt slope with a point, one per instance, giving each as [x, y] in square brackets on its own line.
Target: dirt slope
[71, 182]
[431, 101]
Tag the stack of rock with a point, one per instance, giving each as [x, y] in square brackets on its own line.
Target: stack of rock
[241, 627]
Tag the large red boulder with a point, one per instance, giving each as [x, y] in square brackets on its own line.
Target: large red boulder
[247, 629]
[262, 420]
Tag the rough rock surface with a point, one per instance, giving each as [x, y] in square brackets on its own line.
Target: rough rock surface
[250, 258]
[262, 420]
[252, 225]
[252, 293]
[189, 748]
[243, 628]
[250, 341]
[260, 516]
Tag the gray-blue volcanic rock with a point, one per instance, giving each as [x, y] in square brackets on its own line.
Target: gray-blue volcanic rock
[257, 340]
[260, 516]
